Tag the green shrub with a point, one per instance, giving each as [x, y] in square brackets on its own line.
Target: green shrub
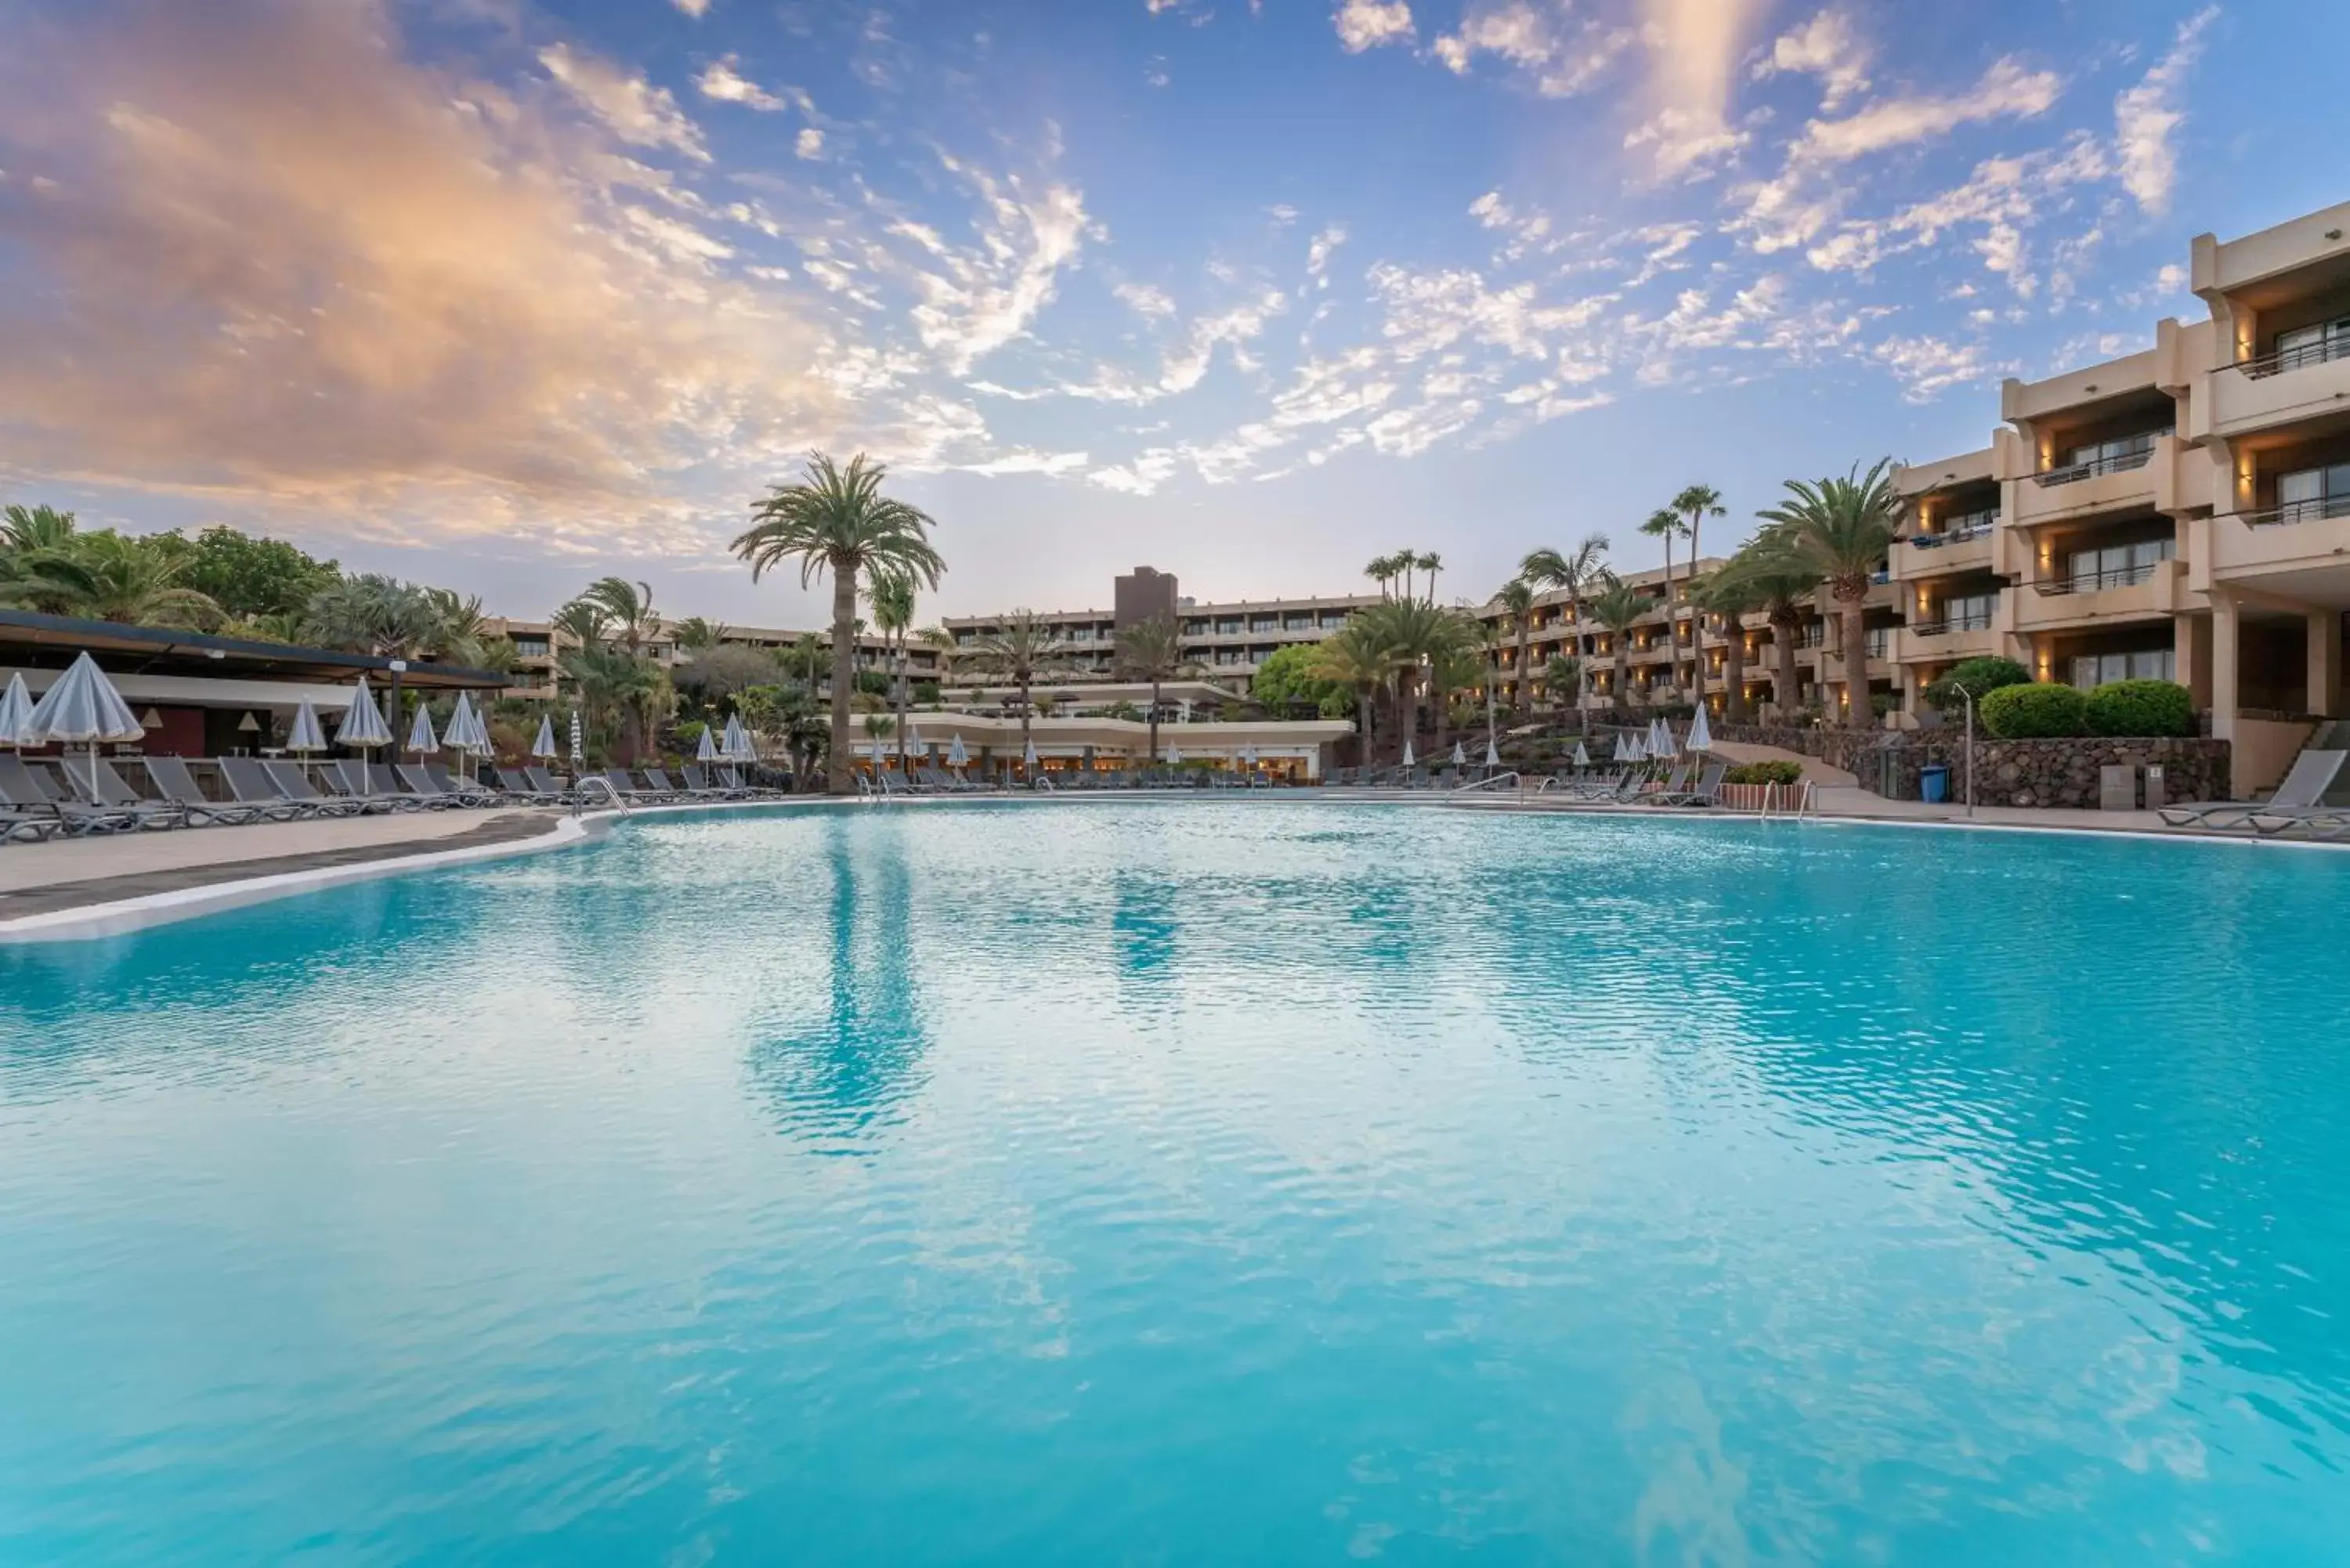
[1778, 772]
[1981, 676]
[2038, 710]
[2141, 707]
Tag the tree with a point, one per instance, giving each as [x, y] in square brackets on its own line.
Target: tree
[838, 521]
[378, 614]
[1839, 530]
[25, 529]
[1574, 572]
[1618, 606]
[1351, 657]
[1025, 647]
[1666, 524]
[1431, 562]
[1411, 635]
[611, 680]
[1289, 679]
[1152, 651]
[1977, 677]
[251, 577]
[1731, 594]
[107, 577]
[699, 633]
[716, 674]
[627, 608]
[1695, 504]
[892, 594]
[1517, 601]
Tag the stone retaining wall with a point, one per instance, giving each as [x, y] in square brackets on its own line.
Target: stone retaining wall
[2056, 773]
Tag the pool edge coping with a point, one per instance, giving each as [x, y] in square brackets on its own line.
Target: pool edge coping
[122, 917]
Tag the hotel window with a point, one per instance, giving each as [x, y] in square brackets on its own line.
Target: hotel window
[1333, 619]
[2312, 345]
[1263, 623]
[1298, 623]
[1229, 628]
[1970, 612]
[2108, 456]
[2309, 493]
[530, 647]
[2117, 565]
[2091, 670]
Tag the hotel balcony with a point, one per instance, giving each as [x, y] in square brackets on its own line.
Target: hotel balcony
[2275, 389]
[2301, 550]
[2123, 484]
[1963, 547]
[2147, 592]
[1947, 641]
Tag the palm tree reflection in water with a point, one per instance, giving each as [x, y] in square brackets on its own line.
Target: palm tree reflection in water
[854, 1065]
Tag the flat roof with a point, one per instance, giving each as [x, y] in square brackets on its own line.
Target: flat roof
[40, 641]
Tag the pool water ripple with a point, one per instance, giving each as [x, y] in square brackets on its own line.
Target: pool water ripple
[1234, 1182]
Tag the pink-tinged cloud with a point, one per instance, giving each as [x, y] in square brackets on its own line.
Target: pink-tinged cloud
[249, 248]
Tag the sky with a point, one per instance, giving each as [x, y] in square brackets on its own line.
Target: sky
[507, 296]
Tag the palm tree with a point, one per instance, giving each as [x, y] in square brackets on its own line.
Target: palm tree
[1412, 635]
[1025, 647]
[1731, 592]
[892, 594]
[610, 679]
[1352, 657]
[838, 520]
[1574, 572]
[1780, 588]
[627, 609]
[1517, 601]
[699, 633]
[1666, 524]
[1696, 502]
[463, 636]
[1152, 651]
[1618, 606]
[380, 615]
[25, 529]
[1431, 562]
[1839, 530]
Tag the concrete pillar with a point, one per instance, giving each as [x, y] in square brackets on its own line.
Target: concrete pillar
[2324, 640]
[2191, 656]
[2226, 627]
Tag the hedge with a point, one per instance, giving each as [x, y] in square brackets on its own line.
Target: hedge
[1979, 676]
[2038, 710]
[1777, 773]
[2141, 707]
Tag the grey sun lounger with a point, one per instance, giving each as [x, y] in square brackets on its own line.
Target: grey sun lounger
[471, 791]
[26, 825]
[515, 784]
[385, 781]
[175, 784]
[22, 791]
[1705, 792]
[545, 782]
[356, 788]
[98, 784]
[253, 787]
[294, 786]
[2302, 791]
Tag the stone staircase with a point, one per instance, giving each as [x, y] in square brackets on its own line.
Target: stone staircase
[2333, 735]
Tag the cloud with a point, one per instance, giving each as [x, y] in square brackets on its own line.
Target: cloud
[809, 143]
[976, 300]
[1534, 41]
[2006, 88]
[719, 80]
[1052, 464]
[2146, 115]
[1694, 46]
[1318, 253]
[1928, 366]
[1367, 23]
[1152, 304]
[697, 9]
[638, 112]
[257, 254]
[1823, 47]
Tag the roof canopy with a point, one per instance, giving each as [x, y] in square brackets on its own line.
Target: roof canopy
[51, 641]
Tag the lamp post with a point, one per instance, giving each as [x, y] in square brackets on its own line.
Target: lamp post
[1970, 749]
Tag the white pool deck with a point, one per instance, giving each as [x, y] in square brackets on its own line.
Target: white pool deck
[68, 890]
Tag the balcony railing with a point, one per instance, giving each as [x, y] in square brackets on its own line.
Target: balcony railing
[1957, 531]
[2315, 510]
[2091, 582]
[2118, 463]
[2335, 346]
[1949, 625]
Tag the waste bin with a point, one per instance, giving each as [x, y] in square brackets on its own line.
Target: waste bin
[1934, 783]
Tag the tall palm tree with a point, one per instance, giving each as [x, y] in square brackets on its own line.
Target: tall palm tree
[1781, 588]
[1517, 601]
[1352, 657]
[838, 520]
[1666, 524]
[106, 577]
[699, 633]
[1431, 562]
[892, 594]
[1839, 530]
[1618, 606]
[628, 610]
[610, 679]
[1574, 572]
[1731, 593]
[1412, 635]
[1025, 647]
[1696, 502]
[377, 614]
[1152, 651]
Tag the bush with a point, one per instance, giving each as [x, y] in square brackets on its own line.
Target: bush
[2141, 707]
[2032, 712]
[1780, 773]
[1981, 676]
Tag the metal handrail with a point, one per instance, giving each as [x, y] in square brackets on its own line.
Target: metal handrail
[611, 792]
[2091, 582]
[1960, 535]
[2276, 362]
[1953, 623]
[2118, 463]
[2293, 512]
[1511, 775]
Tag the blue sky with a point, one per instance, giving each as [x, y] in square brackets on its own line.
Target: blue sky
[508, 295]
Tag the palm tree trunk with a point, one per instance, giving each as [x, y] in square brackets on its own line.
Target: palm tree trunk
[901, 702]
[1154, 721]
[1623, 672]
[844, 675]
[1733, 669]
[1407, 706]
[1855, 660]
[1525, 701]
[1672, 624]
[1575, 638]
[1786, 681]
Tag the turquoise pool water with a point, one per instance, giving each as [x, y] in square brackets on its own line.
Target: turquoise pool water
[1238, 1183]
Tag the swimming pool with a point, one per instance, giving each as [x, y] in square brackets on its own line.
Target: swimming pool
[1194, 1183]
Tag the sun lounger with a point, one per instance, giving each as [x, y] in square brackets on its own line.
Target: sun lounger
[698, 783]
[545, 783]
[28, 828]
[355, 789]
[22, 792]
[1705, 792]
[251, 786]
[657, 779]
[469, 791]
[175, 784]
[514, 786]
[2303, 789]
[98, 784]
[291, 782]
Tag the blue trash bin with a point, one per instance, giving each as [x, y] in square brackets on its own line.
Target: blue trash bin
[1934, 783]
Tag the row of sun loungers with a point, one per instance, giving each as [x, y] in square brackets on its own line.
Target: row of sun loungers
[1689, 783]
[84, 797]
[2298, 806]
